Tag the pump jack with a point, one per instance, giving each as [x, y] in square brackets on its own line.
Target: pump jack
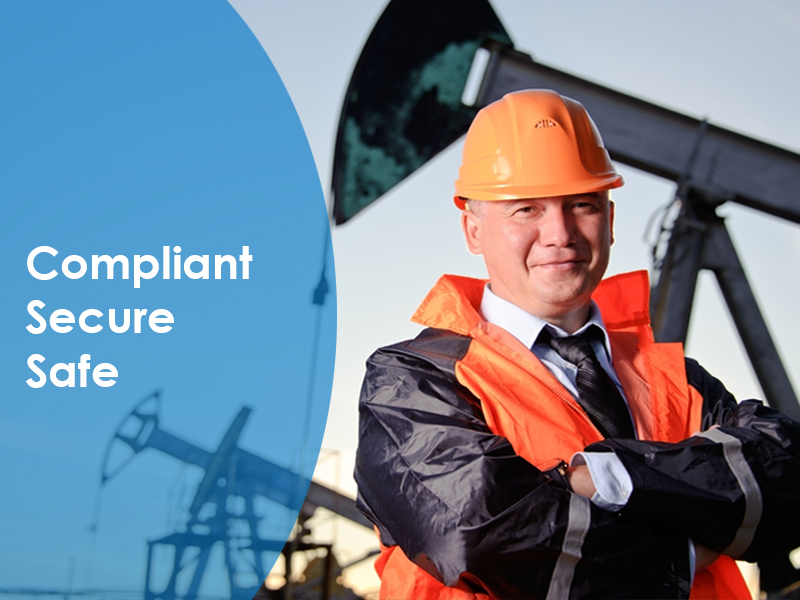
[222, 511]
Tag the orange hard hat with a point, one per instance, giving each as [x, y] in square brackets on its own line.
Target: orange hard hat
[533, 144]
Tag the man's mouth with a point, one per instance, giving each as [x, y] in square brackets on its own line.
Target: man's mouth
[560, 265]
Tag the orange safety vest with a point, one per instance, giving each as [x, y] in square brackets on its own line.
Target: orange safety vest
[504, 375]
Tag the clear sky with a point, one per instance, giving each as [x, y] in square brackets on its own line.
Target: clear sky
[735, 63]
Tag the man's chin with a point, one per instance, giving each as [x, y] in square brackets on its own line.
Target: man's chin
[561, 286]
[558, 298]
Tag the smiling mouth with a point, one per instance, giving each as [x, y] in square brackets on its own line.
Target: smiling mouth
[560, 265]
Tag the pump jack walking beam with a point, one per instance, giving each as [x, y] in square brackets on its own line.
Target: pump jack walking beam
[718, 162]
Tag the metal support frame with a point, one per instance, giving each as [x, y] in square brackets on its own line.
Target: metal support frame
[700, 240]
[290, 590]
[205, 542]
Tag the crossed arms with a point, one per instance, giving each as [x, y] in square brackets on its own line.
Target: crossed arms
[463, 506]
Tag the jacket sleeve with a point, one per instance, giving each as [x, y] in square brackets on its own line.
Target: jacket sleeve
[464, 507]
[734, 487]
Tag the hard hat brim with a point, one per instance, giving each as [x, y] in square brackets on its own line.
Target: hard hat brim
[497, 193]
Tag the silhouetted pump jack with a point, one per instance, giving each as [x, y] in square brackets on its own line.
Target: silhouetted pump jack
[222, 511]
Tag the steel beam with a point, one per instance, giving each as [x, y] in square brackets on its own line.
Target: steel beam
[719, 256]
[700, 240]
[673, 294]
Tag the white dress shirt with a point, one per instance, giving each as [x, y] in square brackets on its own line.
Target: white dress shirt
[611, 479]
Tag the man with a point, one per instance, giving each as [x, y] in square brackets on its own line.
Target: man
[468, 431]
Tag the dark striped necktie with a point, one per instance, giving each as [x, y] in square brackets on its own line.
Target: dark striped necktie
[597, 394]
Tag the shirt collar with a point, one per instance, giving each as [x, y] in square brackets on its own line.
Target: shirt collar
[525, 326]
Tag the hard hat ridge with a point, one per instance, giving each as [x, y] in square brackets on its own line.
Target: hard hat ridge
[533, 144]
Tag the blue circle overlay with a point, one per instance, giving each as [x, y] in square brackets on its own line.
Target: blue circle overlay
[132, 129]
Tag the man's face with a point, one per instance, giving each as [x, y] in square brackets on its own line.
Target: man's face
[546, 255]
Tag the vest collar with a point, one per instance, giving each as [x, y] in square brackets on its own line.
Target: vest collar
[454, 301]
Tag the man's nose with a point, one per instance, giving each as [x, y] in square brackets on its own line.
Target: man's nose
[556, 228]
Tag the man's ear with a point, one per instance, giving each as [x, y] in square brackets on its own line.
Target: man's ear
[471, 228]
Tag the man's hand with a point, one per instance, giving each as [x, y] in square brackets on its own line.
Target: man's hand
[581, 481]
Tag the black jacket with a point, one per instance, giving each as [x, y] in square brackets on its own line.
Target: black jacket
[463, 506]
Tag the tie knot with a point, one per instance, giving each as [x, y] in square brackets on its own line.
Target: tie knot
[574, 349]
[597, 393]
